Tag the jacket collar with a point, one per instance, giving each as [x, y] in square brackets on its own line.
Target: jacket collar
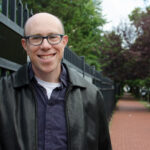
[21, 77]
[75, 78]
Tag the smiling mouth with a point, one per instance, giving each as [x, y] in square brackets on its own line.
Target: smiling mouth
[46, 56]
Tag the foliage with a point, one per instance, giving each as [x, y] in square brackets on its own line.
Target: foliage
[125, 53]
[141, 20]
[112, 56]
[128, 33]
[82, 20]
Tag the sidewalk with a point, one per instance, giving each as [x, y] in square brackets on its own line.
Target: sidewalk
[130, 125]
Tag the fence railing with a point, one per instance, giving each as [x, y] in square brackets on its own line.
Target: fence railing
[7, 67]
[17, 14]
[15, 11]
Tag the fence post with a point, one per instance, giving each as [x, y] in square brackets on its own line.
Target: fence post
[93, 70]
[5, 7]
[93, 73]
[25, 14]
[31, 13]
[12, 12]
[83, 64]
[20, 14]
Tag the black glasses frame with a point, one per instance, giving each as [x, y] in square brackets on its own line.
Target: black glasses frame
[44, 37]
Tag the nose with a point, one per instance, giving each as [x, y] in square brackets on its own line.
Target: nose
[45, 45]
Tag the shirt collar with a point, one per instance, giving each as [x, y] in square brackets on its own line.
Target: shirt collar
[63, 76]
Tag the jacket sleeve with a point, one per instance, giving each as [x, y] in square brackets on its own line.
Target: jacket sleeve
[104, 136]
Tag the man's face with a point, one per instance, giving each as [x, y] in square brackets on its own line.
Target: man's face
[45, 58]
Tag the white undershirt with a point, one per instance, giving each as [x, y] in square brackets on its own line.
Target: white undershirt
[49, 86]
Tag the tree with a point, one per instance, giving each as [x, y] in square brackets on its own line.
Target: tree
[112, 58]
[141, 20]
[128, 33]
[139, 50]
[118, 63]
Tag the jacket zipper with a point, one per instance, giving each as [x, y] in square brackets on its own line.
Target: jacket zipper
[67, 118]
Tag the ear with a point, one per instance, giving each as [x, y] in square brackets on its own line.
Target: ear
[24, 44]
[65, 40]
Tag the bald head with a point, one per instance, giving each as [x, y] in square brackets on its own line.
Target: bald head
[42, 17]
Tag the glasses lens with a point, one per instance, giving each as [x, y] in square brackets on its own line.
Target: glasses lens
[54, 39]
[35, 40]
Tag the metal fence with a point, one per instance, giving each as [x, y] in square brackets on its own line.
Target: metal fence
[12, 19]
[15, 11]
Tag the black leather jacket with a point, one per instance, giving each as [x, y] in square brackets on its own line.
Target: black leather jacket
[86, 121]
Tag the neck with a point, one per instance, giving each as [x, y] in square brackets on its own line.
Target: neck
[52, 76]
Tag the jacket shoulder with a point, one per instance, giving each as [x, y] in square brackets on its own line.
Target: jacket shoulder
[77, 79]
[15, 79]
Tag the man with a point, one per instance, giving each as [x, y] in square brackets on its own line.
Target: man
[45, 105]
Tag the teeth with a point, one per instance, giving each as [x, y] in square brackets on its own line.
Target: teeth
[46, 57]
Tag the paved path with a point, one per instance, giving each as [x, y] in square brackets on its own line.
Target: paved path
[130, 125]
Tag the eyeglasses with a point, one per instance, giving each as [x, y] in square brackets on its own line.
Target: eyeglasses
[52, 39]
